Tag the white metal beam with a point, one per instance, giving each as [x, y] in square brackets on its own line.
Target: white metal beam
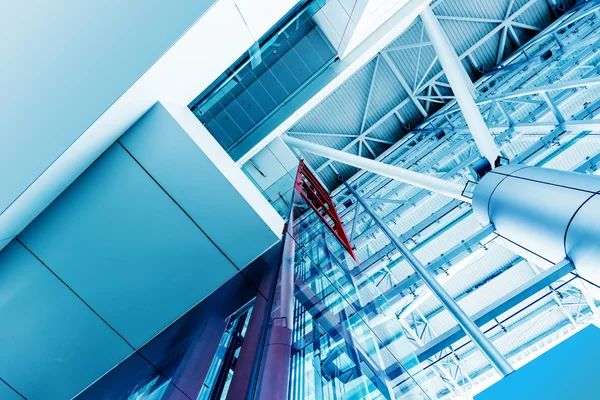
[456, 74]
[427, 182]
[404, 84]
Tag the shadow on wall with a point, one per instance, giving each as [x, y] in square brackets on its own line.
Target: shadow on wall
[174, 364]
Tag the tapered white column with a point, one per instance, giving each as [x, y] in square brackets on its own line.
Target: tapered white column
[457, 77]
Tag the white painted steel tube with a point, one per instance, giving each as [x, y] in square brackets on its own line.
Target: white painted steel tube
[423, 181]
[544, 215]
[457, 76]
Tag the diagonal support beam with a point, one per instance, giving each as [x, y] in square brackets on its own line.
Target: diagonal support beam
[467, 324]
[404, 84]
[504, 304]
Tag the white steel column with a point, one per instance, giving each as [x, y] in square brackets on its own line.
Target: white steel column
[457, 77]
[423, 181]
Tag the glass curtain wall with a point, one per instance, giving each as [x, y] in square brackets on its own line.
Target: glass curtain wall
[331, 348]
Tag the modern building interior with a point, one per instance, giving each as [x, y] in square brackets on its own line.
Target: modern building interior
[300, 199]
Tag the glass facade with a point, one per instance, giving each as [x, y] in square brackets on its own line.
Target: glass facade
[306, 321]
[335, 353]
[222, 368]
[281, 63]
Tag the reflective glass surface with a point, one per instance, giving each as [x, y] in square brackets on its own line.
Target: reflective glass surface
[335, 352]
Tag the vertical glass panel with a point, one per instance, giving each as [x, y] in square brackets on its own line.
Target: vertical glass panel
[342, 346]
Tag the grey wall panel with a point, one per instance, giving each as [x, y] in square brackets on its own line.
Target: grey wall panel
[4, 242]
[183, 353]
[168, 153]
[126, 248]
[6, 393]
[51, 344]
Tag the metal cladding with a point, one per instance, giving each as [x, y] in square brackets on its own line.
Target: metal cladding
[546, 214]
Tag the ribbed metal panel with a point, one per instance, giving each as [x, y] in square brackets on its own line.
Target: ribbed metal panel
[386, 94]
[343, 111]
[477, 300]
[478, 9]
[571, 157]
[448, 239]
